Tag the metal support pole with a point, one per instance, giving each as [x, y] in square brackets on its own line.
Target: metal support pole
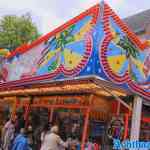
[136, 118]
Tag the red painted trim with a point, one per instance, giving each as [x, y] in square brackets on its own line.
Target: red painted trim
[85, 128]
[145, 119]
[93, 11]
[114, 105]
[136, 88]
[125, 28]
[127, 118]
[59, 70]
[103, 52]
[126, 126]
[26, 115]
[24, 48]
[86, 56]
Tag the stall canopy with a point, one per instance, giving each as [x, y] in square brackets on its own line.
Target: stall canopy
[97, 43]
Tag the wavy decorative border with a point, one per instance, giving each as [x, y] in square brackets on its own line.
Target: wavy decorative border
[108, 12]
[94, 12]
[84, 61]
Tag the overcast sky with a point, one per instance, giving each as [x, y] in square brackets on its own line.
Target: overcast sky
[49, 14]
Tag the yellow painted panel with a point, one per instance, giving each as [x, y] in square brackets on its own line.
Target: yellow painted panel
[139, 64]
[72, 59]
[83, 31]
[116, 62]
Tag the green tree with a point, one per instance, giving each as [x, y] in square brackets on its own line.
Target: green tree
[15, 31]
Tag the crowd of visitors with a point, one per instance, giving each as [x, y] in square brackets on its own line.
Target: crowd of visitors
[16, 136]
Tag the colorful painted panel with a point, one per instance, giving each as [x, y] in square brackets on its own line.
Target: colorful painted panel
[65, 51]
[125, 60]
[96, 42]
[68, 50]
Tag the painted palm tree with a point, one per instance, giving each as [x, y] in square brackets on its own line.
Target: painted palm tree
[131, 53]
[127, 47]
[64, 38]
[60, 41]
[124, 55]
[66, 48]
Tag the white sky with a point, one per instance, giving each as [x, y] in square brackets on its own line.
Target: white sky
[49, 14]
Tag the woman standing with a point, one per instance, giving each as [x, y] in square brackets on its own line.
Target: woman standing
[51, 140]
[8, 134]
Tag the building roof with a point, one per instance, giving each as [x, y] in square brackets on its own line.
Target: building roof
[66, 86]
[138, 21]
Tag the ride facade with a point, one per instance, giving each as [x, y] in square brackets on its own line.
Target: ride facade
[85, 68]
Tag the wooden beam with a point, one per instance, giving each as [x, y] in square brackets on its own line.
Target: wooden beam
[91, 99]
[117, 98]
[60, 106]
[69, 89]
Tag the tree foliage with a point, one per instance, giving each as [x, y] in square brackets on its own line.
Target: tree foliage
[15, 31]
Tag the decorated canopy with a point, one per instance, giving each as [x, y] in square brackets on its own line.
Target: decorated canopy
[97, 42]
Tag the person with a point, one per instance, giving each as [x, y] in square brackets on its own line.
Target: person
[89, 145]
[37, 138]
[74, 143]
[51, 140]
[30, 137]
[46, 130]
[21, 141]
[8, 132]
[19, 122]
